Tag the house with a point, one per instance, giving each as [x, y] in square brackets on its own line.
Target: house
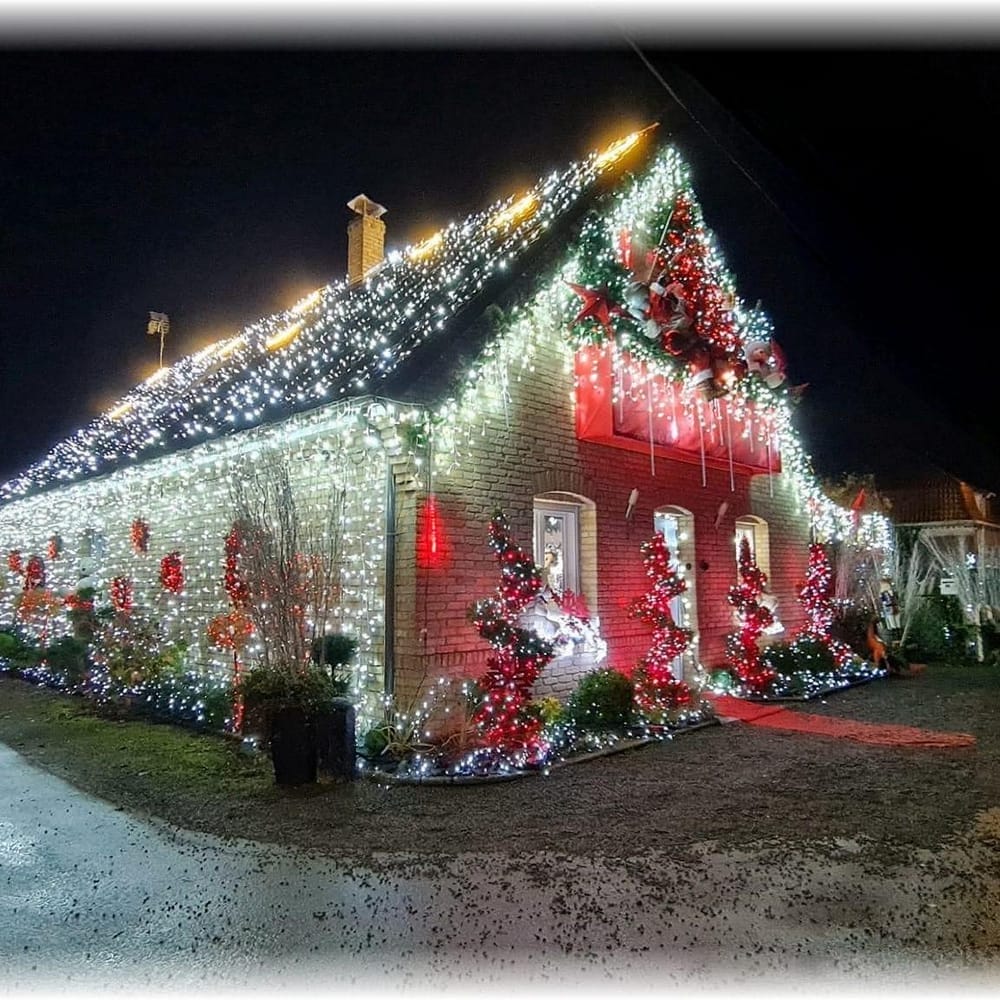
[575, 355]
[949, 534]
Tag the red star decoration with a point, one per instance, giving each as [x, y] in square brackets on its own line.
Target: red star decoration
[596, 305]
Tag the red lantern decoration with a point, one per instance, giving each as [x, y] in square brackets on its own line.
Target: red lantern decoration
[172, 572]
[140, 536]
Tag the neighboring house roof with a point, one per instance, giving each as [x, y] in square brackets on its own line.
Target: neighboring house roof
[393, 330]
[932, 495]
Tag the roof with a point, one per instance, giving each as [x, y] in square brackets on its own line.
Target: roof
[340, 341]
[932, 495]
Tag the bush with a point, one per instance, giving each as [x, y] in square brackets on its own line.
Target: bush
[336, 651]
[68, 657]
[601, 702]
[310, 690]
[18, 651]
[189, 698]
[791, 658]
[938, 631]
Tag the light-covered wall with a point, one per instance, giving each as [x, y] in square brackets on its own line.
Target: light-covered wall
[186, 500]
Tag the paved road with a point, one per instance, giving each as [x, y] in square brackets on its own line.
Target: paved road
[92, 899]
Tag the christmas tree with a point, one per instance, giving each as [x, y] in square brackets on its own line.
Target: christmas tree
[741, 647]
[519, 656]
[657, 691]
[816, 597]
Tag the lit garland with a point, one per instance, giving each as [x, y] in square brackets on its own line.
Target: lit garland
[657, 692]
[753, 674]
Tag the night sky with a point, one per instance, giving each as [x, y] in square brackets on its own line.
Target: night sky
[853, 191]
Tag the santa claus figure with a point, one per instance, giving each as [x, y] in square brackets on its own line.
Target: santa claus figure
[764, 360]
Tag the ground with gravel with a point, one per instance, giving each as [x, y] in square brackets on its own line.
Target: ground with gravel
[730, 784]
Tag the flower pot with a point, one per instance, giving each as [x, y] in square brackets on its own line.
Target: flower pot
[293, 747]
[336, 740]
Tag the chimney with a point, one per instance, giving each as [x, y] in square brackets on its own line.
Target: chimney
[365, 238]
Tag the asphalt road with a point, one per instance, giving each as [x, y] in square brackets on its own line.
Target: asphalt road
[92, 899]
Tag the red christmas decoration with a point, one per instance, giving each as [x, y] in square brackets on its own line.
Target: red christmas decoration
[574, 605]
[816, 597]
[54, 548]
[172, 572]
[230, 631]
[519, 655]
[596, 305]
[741, 647]
[14, 562]
[73, 602]
[657, 691]
[34, 573]
[236, 586]
[121, 594]
[140, 536]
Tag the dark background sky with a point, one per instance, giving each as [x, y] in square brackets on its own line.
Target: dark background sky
[852, 189]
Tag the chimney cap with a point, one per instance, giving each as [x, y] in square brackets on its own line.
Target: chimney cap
[363, 205]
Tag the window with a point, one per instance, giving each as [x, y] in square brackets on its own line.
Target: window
[565, 545]
[754, 530]
[557, 545]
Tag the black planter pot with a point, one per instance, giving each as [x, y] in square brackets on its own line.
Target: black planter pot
[336, 740]
[293, 747]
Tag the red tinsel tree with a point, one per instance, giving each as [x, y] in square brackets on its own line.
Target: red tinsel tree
[741, 646]
[519, 654]
[816, 597]
[657, 691]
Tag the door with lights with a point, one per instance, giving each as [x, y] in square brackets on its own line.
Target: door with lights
[677, 526]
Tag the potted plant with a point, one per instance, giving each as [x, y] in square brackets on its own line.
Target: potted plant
[336, 724]
[286, 703]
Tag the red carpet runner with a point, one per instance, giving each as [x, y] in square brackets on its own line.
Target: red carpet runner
[772, 716]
